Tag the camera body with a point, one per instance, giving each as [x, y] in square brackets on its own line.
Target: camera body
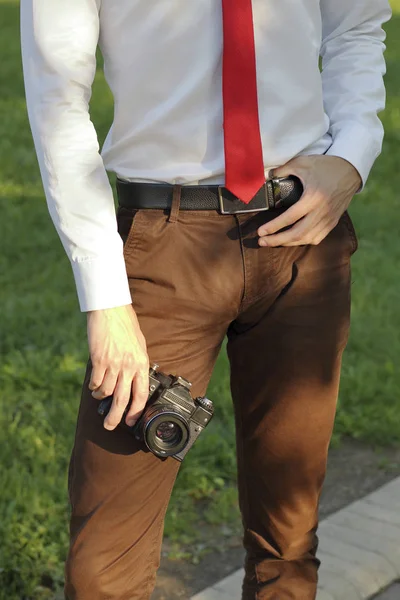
[172, 419]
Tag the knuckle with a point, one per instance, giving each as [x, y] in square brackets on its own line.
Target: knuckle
[107, 391]
[134, 404]
[143, 396]
[97, 360]
[95, 384]
[115, 414]
[141, 388]
[143, 364]
[120, 401]
[128, 361]
[114, 364]
[296, 238]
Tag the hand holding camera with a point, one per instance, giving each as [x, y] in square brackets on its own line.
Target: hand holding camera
[172, 420]
[120, 363]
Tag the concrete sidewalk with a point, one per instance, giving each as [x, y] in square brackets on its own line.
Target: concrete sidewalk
[391, 593]
[359, 549]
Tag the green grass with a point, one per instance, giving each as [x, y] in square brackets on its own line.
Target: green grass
[43, 348]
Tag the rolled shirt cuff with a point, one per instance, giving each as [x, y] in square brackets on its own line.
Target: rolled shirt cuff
[101, 282]
[355, 144]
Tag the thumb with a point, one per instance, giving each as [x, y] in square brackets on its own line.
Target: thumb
[285, 170]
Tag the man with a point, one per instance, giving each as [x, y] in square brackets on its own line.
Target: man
[222, 106]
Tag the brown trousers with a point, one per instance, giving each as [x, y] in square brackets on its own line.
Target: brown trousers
[196, 277]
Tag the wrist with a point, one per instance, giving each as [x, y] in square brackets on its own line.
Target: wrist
[109, 311]
[348, 171]
[354, 174]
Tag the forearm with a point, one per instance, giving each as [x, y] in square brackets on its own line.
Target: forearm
[59, 43]
[352, 76]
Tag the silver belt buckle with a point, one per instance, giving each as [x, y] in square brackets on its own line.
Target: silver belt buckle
[224, 211]
[276, 190]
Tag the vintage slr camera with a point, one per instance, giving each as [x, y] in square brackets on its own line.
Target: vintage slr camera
[172, 420]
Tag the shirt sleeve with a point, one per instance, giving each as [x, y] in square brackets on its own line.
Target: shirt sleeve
[352, 74]
[58, 41]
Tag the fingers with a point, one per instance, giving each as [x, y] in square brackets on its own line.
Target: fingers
[107, 386]
[121, 397]
[327, 193]
[119, 355]
[97, 375]
[120, 382]
[293, 167]
[140, 394]
[289, 217]
[295, 236]
[305, 232]
[306, 220]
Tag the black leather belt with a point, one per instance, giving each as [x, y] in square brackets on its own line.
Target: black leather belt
[274, 194]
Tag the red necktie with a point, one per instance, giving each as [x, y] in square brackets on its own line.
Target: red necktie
[244, 165]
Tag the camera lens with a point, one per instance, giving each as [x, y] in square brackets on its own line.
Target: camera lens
[169, 433]
[165, 432]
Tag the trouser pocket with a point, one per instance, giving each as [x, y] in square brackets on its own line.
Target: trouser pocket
[127, 221]
[351, 231]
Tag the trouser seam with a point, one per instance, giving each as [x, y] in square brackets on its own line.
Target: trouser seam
[244, 265]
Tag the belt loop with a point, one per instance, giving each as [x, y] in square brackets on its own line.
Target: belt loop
[176, 201]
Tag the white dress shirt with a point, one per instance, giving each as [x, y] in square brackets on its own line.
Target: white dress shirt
[162, 61]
